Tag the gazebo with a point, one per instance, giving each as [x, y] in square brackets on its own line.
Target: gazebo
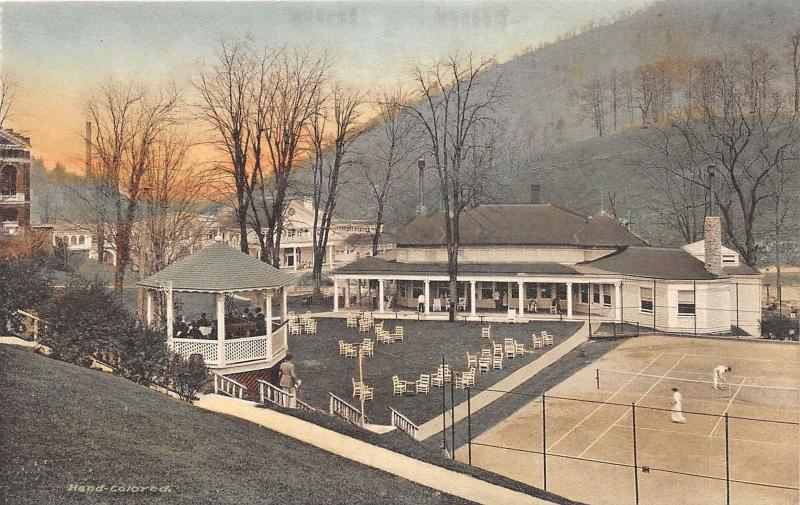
[220, 270]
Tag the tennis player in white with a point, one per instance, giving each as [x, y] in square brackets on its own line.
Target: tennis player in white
[719, 376]
[677, 407]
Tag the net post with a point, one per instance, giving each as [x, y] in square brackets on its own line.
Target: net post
[635, 455]
[444, 410]
[727, 465]
[544, 441]
[591, 294]
[694, 301]
[469, 427]
[452, 413]
[738, 328]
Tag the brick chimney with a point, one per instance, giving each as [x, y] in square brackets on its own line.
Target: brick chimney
[713, 244]
[536, 194]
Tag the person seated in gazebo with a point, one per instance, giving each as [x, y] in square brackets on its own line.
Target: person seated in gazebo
[247, 314]
[261, 322]
[193, 332]
[203, 321]
[181, 327]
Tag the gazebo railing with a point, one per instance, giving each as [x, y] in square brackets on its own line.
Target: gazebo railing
[235, 351]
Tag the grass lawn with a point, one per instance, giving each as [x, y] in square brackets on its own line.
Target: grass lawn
[67, 425]
[323, 370]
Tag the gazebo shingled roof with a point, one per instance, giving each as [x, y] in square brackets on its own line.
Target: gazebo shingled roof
[219, 268]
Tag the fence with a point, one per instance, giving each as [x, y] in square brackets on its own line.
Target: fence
[228, 386]
[277, 396]
[404, 424]
[536, 443]
[341, 408]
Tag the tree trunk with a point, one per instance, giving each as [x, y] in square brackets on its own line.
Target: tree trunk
[778, 281]
[376, 237]
[242, 215]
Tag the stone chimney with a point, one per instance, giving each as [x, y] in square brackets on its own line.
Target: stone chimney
[713, 244]
[536, 194]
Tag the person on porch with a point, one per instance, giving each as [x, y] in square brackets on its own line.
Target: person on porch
[496, 298]
[261, 322]
[556, 305]
[532, 305]
[421, 303]
[203, 321]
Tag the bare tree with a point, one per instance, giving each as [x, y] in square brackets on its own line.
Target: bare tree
[328, 161]
[7, 95]
[129, 120]
[393, 150]
[782, 216]
[453, 107]
[592, 100]
[735, 118]
[794, 45]
[292, 94]
[613, 95]
[230, 97]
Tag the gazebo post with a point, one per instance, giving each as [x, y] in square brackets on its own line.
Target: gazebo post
[347, 295]
[268, 311]
[472, 310]
[336, 295]
[220, 329]
[380, 295]
[284, 305]
[170, 316]
[149, 304]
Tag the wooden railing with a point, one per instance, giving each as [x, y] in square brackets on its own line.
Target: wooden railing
[228, 386]
[341, 408]
[404, 424]
[277, 396]
[35, 322]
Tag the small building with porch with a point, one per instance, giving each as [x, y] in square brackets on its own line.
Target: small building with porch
[228, 342]
[544, 261]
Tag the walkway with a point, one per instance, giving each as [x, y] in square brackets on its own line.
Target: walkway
[432, 476]
[485, 398]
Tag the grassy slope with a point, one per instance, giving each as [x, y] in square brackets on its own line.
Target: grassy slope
[63, 424]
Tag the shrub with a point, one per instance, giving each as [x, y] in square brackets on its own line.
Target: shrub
[186, 376]
[775, 327]
[22, 287]
[142, 355]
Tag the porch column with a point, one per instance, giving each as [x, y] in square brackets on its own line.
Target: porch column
[569, 299]
[472, 311]
[508, 294]
[335, 295]
[618, 301]
[347, 295]
[330, 255]
[268, 312]
[284, 305]
[427, 296]
[149, 305]
[294, 251]
[221, 329]
[170, 316]
[521, 290]
[380, 295]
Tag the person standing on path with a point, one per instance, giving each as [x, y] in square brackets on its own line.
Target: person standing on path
[677, 407]
[719, 377]
[289, 380]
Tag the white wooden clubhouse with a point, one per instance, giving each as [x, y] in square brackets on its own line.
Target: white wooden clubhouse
[219, 270]
[529, 255]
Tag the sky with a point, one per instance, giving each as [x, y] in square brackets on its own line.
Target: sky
[58, 53]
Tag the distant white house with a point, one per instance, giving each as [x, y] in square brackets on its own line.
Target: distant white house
[349, 239]
[530, 257]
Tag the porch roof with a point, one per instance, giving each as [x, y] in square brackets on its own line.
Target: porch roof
[219, 268]
[377, 265]
[652, 262]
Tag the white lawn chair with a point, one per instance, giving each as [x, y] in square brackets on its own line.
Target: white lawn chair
[547, 338]
[363, 325]
[367, 392]
[508, 347]
[398, 386]
[484, 364]
[437, 305]
[378, 327]
[468, 377]
[423, 384]
[368, 347]
[358, 387]
[398, 334]
[486, 331]
[437, 379]
[384, 337]
[352, 320]
[295, 328]
[497, 362]
[311, 327]
[497, 349]
[472, 360]
[538, 342]
[512, 316]
[519, 348]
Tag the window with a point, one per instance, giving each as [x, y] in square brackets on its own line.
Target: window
[646, 300]
[486, 290]
[515, 291]
[73, 240]
[584, 293]
[686, 303]
[418, 289]
[8, 181]
[561, 291]
[291, 232]
[531, 291]
[403, 289]
[595, 293]
[81, 240]
[546, 292]
[728, 258]
[606, 295]
[289, 258]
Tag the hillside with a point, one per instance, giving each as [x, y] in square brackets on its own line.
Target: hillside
[550, 144]
[67, 425]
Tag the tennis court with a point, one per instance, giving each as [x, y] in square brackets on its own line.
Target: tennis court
[739, 445]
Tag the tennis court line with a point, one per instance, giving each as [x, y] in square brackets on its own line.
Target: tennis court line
[732, 358]
[730, 402]
[602, 404]
[628, 409]
[749, 440]
[701, 381]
